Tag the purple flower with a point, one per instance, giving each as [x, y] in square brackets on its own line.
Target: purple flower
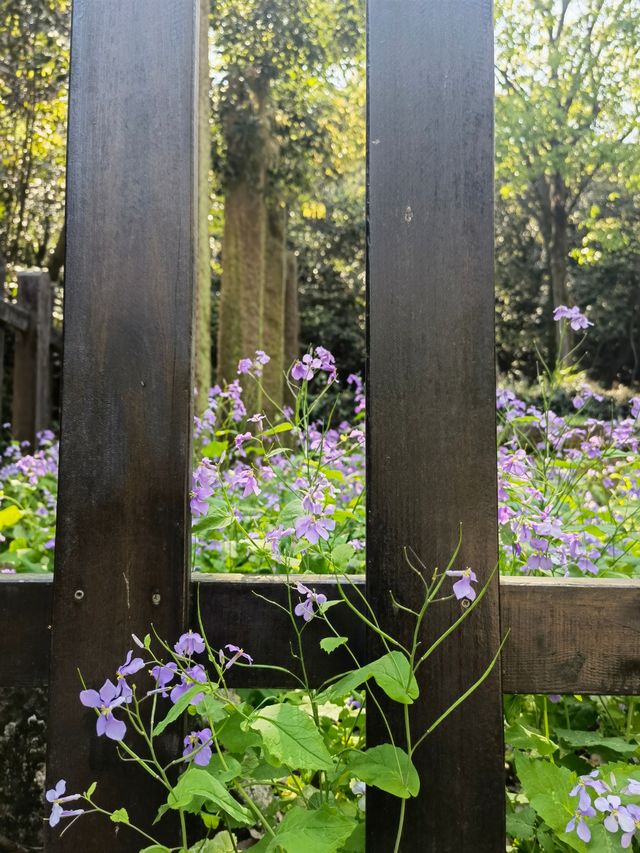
[617, 814]
[634, 813]
[130, 666]
[262, 358]
[247, 480]
[305, 368]
[274, 537]
[56, 797]
[313, 599]
[199, 495]
[196, 747]
[314, 528]
[589, 781]
[105, 701]
[241, 438]
[193, 675]
[633, 788]
[244, 365]
[189, 644]
[462, 588]
[237, 653]
[163, 675]
[579, 824]
[576, 319]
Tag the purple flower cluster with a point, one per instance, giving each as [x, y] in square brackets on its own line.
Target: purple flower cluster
[320, 359]
[574, 317]
[618, 817]
[567, 490]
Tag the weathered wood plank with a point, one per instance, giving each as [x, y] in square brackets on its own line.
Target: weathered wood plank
[25, 629]
[122, 545]
[14, 316]
[571, 635]
[431, 391]
[552, 645]
[31, 360]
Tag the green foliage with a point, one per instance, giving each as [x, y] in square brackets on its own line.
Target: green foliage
[290, 737]
[34, 46]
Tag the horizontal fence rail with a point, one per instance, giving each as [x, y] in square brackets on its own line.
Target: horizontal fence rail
[566, 635]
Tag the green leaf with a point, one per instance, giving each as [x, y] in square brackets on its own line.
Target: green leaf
[521, 737]
[322, 830]
[290, 737]
[355, 843]
[386, 767]
[521, 824]
[91, 789]
[176, 710]
[9, 516]
[234, 738]
[547, 787]
[223, 842]
[120, 816]
[214, 449]
[341, 554]
[212, 709]
[595, 741]
[290, 512]
[156, 848]
[391, 672]
[284, 427]
[197, 786]
[330, 644]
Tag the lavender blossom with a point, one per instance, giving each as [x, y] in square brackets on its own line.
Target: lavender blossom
[462, 588]
[197, 749]
[104, 702]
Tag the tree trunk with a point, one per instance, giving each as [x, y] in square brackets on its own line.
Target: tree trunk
[241, 292]
[291, 312]
[274, 306]
[202, 325]
[247, 131]
[558, 261]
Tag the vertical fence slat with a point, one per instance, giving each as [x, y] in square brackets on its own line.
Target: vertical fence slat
[122, 547]
[31, 410]
[431, 390]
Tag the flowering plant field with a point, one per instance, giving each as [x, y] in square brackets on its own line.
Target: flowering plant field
[284, 494]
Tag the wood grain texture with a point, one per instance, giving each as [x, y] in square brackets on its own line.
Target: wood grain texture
[553, 646]
[431, 392]
[123, 537]
[571, 635]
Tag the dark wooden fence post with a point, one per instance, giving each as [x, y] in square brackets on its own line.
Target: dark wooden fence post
[32, 364]
[123, 529]
[431, 390]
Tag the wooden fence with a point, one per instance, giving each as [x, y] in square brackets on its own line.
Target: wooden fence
[122, 553]
[30, 320]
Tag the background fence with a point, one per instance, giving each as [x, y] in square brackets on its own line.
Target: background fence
[30, 356]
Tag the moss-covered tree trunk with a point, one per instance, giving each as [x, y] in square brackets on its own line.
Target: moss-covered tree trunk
[241, 292]
[244, 236]
[274, 306]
